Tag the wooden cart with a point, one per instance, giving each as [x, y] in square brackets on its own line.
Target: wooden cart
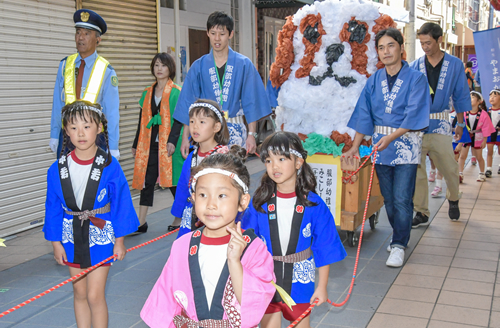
[354, 199]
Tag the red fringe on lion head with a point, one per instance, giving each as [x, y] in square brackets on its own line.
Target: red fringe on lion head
[280, 69]
[307, 62]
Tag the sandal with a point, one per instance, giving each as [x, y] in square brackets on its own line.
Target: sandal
[172, 227]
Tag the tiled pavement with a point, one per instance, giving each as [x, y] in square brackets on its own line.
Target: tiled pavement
[451, 278]
[448, 279]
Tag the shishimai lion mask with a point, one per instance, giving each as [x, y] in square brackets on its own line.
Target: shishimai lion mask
[325, 54]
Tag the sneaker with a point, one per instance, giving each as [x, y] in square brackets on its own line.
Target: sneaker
[389, 246]
[461, 177]
[453, 211]
[488, 173]
[481, 177]
[436, 192]
[396, 258]
[473, 160]
[142, 229]
[432, 176]
[420, 220]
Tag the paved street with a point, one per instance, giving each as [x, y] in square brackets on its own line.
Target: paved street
[449, 277]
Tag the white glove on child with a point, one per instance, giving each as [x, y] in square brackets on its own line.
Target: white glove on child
[53, 144]
[115, 153]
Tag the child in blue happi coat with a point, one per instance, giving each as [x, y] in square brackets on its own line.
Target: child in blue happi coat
[88, 210]
[209, 133]
[296, 225]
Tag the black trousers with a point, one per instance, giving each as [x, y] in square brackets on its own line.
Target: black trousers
[147, 193]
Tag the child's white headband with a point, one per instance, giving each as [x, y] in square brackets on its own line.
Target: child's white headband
[497, 91]
[87, 107]
[209, 106]
[232, 175]
[291, 151]
[477, 93]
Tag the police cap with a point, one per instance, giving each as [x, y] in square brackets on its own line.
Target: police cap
[90, 20]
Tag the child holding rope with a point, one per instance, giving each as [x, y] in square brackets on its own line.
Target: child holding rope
[494, 138]
[210, 134]
[88, 209]
[297, 226]
[218, 275]
[479, 127]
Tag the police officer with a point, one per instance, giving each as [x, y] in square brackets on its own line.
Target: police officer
[88, 76]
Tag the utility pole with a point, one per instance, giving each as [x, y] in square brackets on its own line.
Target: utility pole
[177, 31]
[446, 25]
[464, 26]
[410, 31]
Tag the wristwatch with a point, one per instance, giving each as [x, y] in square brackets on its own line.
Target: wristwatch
[462, 125]
[253, 134]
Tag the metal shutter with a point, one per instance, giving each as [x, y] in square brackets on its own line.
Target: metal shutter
[129, 45]
[36, 35]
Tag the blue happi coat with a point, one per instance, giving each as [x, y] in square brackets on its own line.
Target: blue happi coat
[182, 208]
[317, 231]
[105, 185]
[242, 92]
[452, 90]
[405, 106]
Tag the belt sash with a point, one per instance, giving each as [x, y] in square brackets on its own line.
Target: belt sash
[90, 215]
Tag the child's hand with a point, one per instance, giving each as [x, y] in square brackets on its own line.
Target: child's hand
[483, 144]
[236, 244]
[59, 253]
[459, 147]
[321, 294]
[119, 250]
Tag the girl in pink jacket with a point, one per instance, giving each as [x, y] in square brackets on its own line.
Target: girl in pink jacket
[480, 128]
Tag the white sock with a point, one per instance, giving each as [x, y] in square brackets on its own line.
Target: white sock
[439, 183]
[433, 171]
[481, 173]
[488, 169]
[461, 173]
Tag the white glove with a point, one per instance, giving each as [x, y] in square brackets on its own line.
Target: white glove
[115, 153]
[53, 144]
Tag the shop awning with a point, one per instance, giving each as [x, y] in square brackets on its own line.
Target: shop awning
[469, 38]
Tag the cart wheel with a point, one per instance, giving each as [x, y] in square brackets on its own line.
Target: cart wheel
[374, 220]
[352, 239]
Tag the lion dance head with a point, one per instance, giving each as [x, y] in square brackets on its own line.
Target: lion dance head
[325, 54]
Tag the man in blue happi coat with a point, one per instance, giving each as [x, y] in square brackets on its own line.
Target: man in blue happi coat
[448, 87]
[229, 78]
[393, 108]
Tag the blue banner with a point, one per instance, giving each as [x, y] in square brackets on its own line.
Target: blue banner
[487, 44]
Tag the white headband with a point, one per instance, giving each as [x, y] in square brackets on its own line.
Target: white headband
[87, 107]
[209, 106]
[291, 151]
[232, 175]
[477, 93]
[495, 91]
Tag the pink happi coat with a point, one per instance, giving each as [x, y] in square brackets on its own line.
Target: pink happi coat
[483, 126]
[173, 293]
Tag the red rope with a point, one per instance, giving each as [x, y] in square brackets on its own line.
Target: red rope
[81, 274]
[303, 315]
[348, 179]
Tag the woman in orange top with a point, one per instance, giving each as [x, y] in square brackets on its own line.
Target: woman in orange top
[470, 75]
[156, 148]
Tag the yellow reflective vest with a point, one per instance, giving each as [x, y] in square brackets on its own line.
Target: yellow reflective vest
[93, 85]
